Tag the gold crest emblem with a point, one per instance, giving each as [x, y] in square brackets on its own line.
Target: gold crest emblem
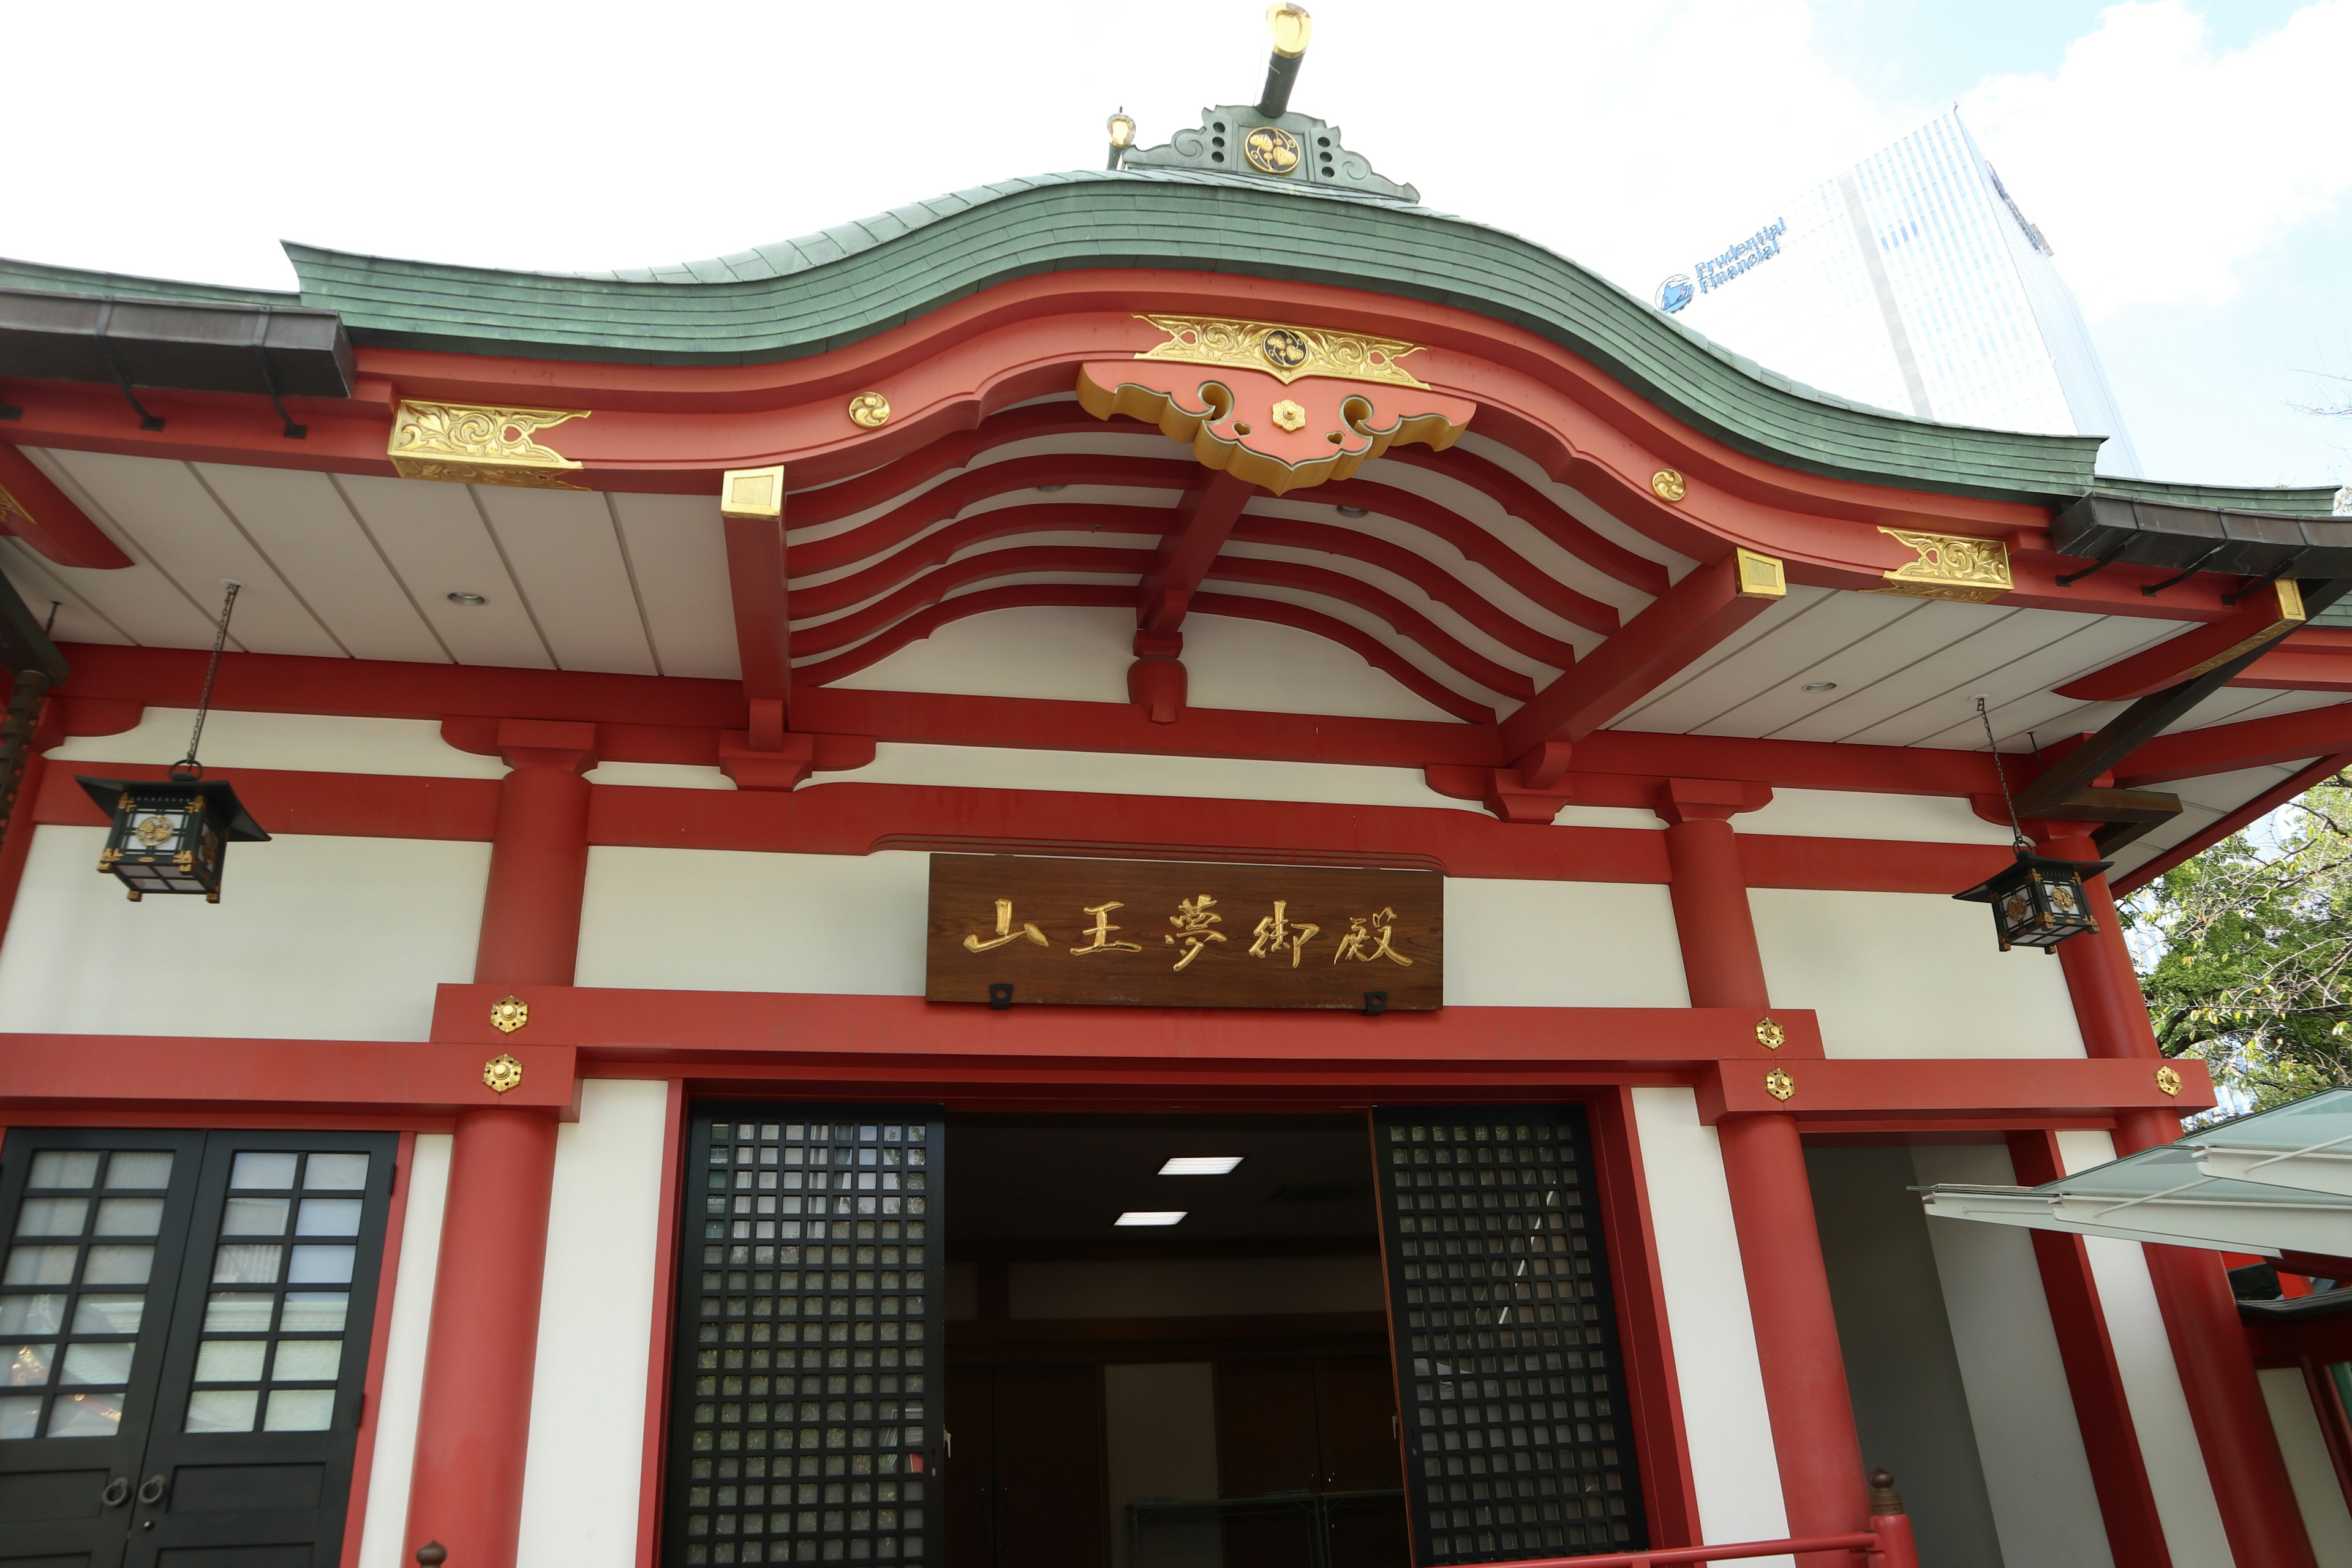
[1770, 1033]
[869, 411]
[1290, 415]
[502, 1072]
[509, 1014]
[2167, 1081]
[1668, 485]
[1271, 149]
[1778, 1085]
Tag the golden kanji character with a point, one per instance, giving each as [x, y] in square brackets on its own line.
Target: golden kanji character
[1004, 931]
[1100, 934]
[1275, 932]
[1363, 930]
[1192, 923]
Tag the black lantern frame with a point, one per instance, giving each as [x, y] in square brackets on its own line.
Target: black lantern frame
[170, 836]
[2038, 902]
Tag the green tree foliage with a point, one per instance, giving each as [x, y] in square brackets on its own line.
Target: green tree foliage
[2245, 951]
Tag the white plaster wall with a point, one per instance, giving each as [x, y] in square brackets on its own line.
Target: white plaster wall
[2167, 1439]
[403, 1388]
[743, 920]
[1732, 1467]
[2313, 1474]
[1561, 944]
[299, 742]
[2045, 1507]
[1852, 814]
[1909, 974]
[314, 938]
[586, 1464]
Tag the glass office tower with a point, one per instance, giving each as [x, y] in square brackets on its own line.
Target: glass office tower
[1912, 281]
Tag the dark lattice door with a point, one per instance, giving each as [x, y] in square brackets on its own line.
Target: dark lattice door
[806, 1404]
[1517, 1434]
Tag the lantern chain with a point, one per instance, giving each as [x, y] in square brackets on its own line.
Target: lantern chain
[1998, 772]
[187, 767]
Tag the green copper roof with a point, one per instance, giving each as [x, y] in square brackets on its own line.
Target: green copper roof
[806, 296]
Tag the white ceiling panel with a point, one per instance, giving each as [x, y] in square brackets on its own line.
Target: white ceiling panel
[1981, 640]
[436, 540]
[159, 505]
[677, 550]
[565, 551]
[303, 523]
[1765, 686]
[2236, 704]
[2011, 686]
[1799, 601]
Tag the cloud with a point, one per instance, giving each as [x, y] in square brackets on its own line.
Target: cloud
[2160, 170]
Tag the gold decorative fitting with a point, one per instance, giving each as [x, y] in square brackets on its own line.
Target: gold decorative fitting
[14, 518]
[2168, 1080]
[1770, 1033]
[1668, 484]
[1271, 149]
[2291, 614]
[869, 411]
[1288, 414]
[502, 1072]
[1778, 1084]
[1761, 576]
[1968, 571]
[466, 444]
[1286, 352]
[509, 1014]
[1291, 28]
[754, 495]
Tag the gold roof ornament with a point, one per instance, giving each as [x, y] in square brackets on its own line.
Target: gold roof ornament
[470, 444]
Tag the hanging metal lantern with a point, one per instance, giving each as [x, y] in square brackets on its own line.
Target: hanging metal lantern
[2038, 902]
[170, 836]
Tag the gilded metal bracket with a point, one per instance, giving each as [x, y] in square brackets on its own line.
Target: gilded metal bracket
[1963, 570]
[467, 444]
[1285, 352]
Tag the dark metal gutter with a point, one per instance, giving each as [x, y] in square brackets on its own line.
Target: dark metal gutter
[268, 351]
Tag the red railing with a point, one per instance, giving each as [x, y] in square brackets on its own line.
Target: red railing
[1889, 1545]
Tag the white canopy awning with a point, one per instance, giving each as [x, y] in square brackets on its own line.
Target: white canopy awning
[2276, 1183]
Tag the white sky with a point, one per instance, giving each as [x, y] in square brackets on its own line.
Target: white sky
[2182, 159]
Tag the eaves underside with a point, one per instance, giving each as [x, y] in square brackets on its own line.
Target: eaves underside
[810, 296]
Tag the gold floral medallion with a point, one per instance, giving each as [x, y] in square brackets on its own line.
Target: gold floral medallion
[502, 1072]
[1778, 1084]
[1770, 1033]
[509, 1014]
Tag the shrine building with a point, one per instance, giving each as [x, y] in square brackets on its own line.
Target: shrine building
[1173, 865]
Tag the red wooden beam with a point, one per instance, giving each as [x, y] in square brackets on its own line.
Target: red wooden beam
[1204, 518]
[2249, 743]
[1826, 1092]
[756, 586]
[1706, 606]
[34, 509]
[353, 1076]
[2311, 658]
[2266, 614]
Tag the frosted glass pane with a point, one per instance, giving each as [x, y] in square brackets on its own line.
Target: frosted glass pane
[99, 1363]
[258, 1170]
[320, 1266]
[329, 1216]
[52, 1216]
[255, 1216]
[140, 1168]
[25, 1365]
[39, 1266]
[20, 1416]
[85, 1416]
[306, 1360]
[233, 1311]
[64, 1168]
[130, 1216]
[245, 1263]
[118, 1265]
[300, 1410]
[230, 1361]
[31, 1314]
[336, 1173]
[222, 1409]
[315, 1309]
[108, 1314]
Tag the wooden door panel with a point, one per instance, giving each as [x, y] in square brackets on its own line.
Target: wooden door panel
[1049, 1466]
[1355, 1412]
[1266, 1444]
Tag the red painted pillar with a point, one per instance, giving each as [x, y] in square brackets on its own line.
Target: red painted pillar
[2240, 1447]
[16, 838]
[474, 1427]
[1813, 1435]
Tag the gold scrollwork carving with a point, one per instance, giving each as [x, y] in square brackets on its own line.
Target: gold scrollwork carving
[1778, 1084]
[2168, 1080]
[509, 1014]
[1967, 571]
[466, 444]
[1283, 352]
[501, 1073]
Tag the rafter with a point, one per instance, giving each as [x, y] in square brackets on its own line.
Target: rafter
[34, 509]
[1207, 514]
[2264, 617]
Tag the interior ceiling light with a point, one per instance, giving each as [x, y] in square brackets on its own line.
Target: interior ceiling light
[1151, 1217]
[468, 600]
[1822, 686]
[1200, 1165]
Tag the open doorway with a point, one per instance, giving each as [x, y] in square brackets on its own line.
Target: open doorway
[1206, 1386]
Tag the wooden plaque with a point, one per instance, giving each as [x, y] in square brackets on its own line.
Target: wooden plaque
[1152, 933]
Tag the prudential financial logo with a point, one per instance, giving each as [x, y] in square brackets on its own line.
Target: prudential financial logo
[1675, 292]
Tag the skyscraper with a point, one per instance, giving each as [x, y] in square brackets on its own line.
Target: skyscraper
[1912, 281]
